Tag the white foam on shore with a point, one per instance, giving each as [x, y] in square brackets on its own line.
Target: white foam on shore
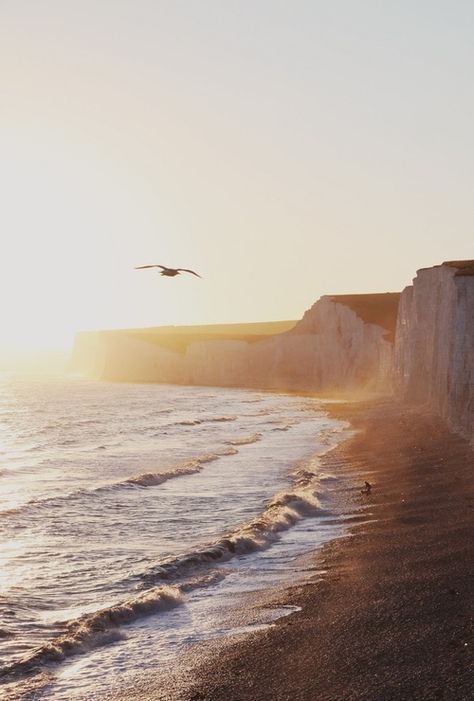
[179, 501]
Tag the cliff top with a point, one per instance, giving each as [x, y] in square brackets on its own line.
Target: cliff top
[378, 308]
[464, 267]
[178, 338]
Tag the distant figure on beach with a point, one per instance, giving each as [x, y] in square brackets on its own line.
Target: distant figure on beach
[367, 489]
[168, 272]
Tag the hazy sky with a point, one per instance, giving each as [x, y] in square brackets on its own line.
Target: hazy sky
[283, 149]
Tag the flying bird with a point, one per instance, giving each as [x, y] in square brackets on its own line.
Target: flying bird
[168, 272]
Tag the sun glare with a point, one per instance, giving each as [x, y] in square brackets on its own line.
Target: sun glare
[66, 216]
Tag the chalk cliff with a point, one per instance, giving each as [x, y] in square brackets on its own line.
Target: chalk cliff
[351, 339]
[434, 347]
[118, 356]
[342, 343]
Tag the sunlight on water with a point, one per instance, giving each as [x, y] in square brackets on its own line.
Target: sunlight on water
[133, 512]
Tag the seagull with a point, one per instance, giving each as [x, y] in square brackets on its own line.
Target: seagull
[168, 272]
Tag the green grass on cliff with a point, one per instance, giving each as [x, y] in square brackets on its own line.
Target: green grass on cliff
[178, 338]
[379, 308]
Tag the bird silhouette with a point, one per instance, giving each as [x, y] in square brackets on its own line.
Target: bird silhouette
[168, 272]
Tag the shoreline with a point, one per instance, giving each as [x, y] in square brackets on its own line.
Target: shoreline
[246, 618]
[390, 617]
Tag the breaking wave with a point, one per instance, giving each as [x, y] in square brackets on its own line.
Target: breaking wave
[151, 479]
[103, 626]
[192, 422]
[245, 440]
[97, 628]
[220, 419]
[146, 479]
[281, 512]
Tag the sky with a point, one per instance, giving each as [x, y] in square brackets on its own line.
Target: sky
[284, 150]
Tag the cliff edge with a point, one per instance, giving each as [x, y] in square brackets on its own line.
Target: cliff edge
[419, 344]
[434, 344]
[343, 343]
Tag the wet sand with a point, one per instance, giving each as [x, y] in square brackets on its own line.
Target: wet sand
[392, 617]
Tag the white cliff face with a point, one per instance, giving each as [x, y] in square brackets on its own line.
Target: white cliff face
[140, 361]
[221, 363]
[116, 356]
[434, 347]
[283, 362]
[331, 348]
[350, 353]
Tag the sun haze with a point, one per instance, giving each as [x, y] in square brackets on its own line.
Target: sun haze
[281, 151]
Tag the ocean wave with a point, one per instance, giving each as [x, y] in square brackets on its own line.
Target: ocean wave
[228, 450]
[146, 479]
[245, 440]
[328, 477]
[303, 477]
[213, 419]
[65, 424]
[94, 629]
[152, 479]
[194, 422]
[102, 627]
[284, 510]
[210, 457]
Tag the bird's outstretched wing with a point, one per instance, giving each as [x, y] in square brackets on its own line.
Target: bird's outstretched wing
[140, 267]
[185, 270]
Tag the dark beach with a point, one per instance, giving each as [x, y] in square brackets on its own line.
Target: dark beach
[391, 619]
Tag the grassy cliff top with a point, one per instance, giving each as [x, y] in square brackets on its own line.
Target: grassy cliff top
[178, 338]
[379, 308]
[464, 267]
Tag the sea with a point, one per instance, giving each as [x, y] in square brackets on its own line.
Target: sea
[135, 517]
